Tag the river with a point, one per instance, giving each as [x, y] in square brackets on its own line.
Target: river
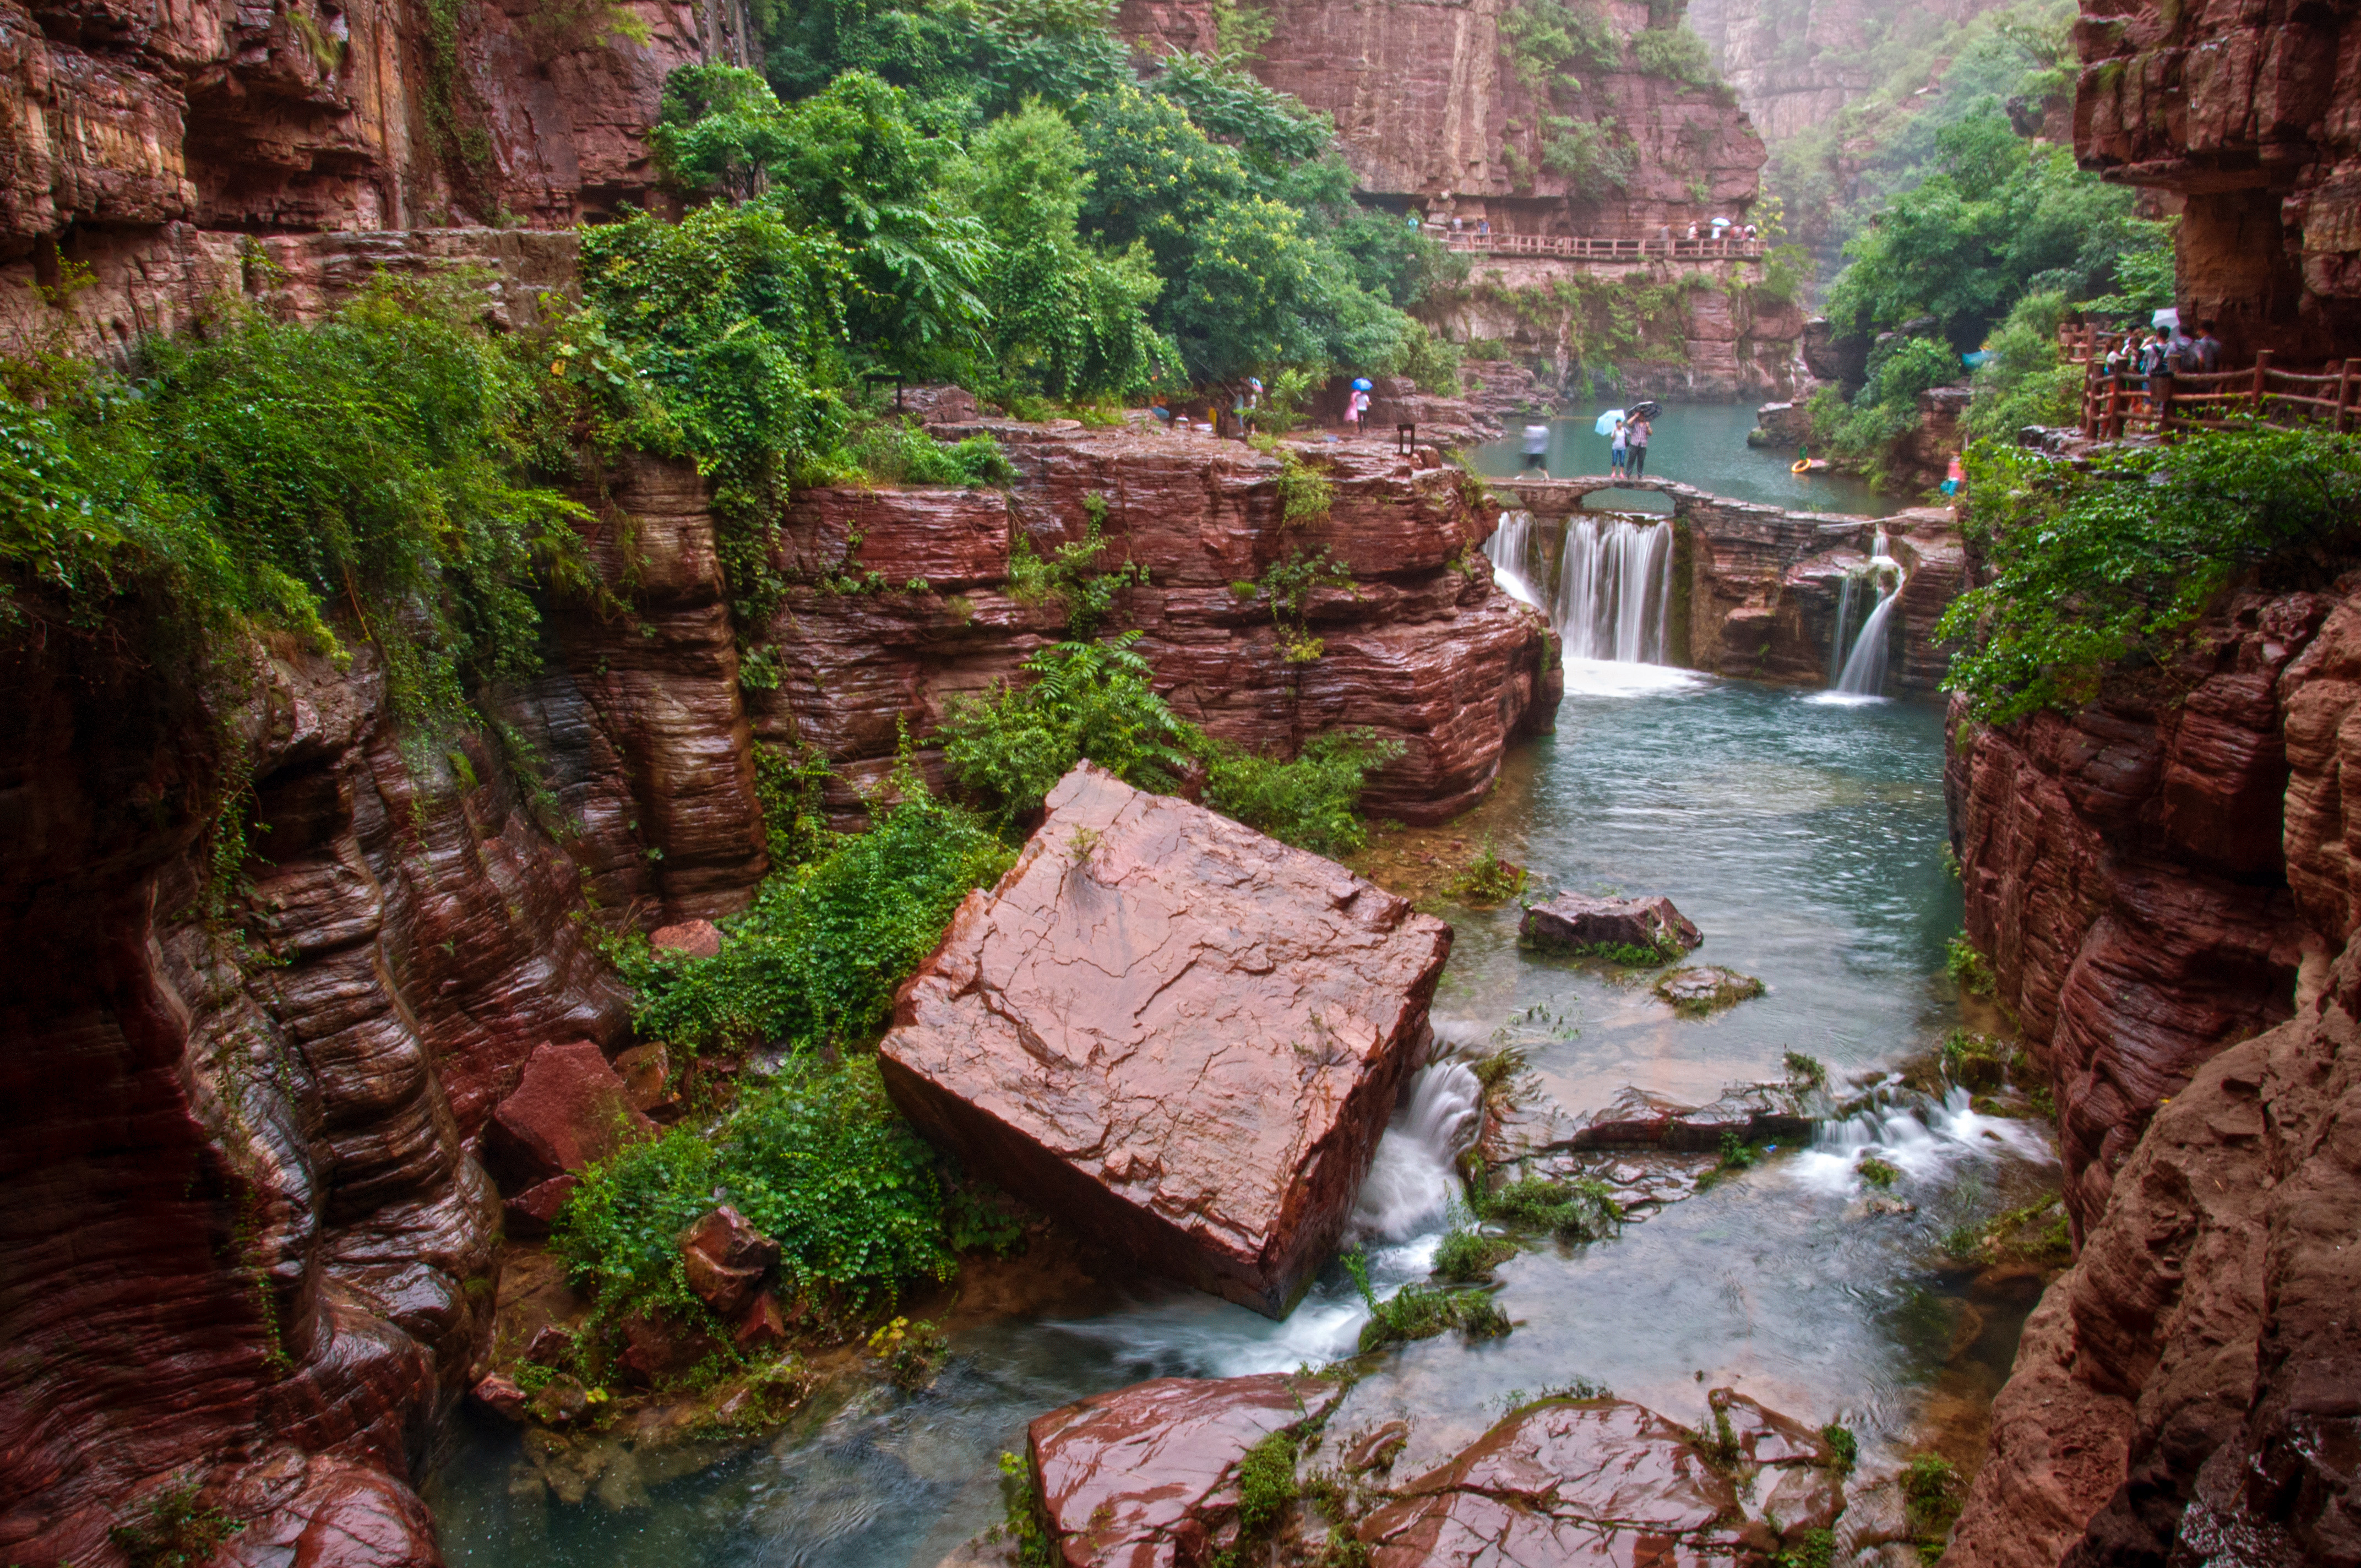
[1697, 444]
[1804, 837]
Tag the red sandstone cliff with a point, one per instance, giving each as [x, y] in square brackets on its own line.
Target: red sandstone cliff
[2156, 879]
[2252, 111]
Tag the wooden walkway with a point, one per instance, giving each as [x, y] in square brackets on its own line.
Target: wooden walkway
[1582, 247]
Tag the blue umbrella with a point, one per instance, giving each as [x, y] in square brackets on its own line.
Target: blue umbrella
[1360, 383]
[1605, 426]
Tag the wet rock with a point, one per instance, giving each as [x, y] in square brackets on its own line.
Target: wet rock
[500, 1395]
[1707, 989]
[529, 1214]
[550, 1346]
[1150, 1474]
[725, 1258]
[688, 940]
[561, 1401]
[1764, 1436]
[1180, 1036]
[568, 1111]
[646, 1072]
[1563, 1482]
[1574, 920]
[1376, 1449]
[761, 1327]
[658, 1349]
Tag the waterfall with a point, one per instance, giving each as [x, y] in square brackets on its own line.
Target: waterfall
[1615, 589]
[1410, 1181]
[1844, 619]
[1508, 548]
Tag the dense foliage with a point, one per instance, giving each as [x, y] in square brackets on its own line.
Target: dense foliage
[817, 1159]
[814, 961]
[262, 473]
[2091, 568]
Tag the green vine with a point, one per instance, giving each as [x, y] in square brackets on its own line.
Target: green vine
[1287, 587]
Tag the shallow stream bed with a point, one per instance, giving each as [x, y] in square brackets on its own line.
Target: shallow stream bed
[1803, 836]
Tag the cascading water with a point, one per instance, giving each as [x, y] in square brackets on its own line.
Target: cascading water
[1508, 548]
[1844, 619]
[1615, 589]
[1410, 1181]
[1864, 672]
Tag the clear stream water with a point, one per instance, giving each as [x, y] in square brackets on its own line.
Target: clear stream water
[1697, 444]
[1802, 832]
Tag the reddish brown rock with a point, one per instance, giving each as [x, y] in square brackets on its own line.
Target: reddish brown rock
[1146, 957]
[568, 1111]
[726, 1259]
[530, 1213]
[761, 1327]
[689, 940]
[658, 1349]
[646, 1072]
[1579, 920]
[1563, 1482]
[1150, 1474]
[500, 1395]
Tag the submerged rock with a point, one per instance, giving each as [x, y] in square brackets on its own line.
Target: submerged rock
[1707, 989]
[1150, 1474]
[1180, 1036]
[1574, 921]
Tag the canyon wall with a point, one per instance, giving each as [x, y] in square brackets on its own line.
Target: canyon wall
[1796, 64]
[2164, 876]
[2252, 113]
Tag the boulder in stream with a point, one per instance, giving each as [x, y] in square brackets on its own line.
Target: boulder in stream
[1180, 1036]
[1149, 1475]
[1707, 989]
[1576, 921]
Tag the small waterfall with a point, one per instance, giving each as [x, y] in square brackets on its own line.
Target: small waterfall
[1508, 548]
[1862, 673]
[1844, 619]
[1615, 589]
[1411, 1183]
[1919, 1136]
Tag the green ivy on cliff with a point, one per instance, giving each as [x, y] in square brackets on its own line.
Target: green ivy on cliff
[374, 468]
[2097, 572]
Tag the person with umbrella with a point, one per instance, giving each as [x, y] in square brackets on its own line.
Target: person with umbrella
[1611, 424]
[1356, 405]
[1636, 431]
[1619, 449]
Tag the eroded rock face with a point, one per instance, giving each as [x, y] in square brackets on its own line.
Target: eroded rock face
[1144, 957]
[1579, 920]
[1149, 1475]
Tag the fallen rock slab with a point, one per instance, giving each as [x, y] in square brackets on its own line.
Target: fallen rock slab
[1573, 921]
[1180, 1036]
[569, 1109]
[1149, 1475]
[689, 940]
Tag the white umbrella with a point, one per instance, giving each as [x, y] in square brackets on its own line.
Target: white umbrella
[1605, 426]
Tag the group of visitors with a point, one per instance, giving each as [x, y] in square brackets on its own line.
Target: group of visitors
[1726, 228]
[1627, 452]
[2145, 354]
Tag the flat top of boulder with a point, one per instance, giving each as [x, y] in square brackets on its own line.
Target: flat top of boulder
[1538, 1485]
[1204, 1022]
[569, 1109]
[690, 939]
[1578, 919]
[1120, 1473]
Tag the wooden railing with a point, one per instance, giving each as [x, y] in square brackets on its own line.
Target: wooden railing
[1582, 247]
[2261, 395]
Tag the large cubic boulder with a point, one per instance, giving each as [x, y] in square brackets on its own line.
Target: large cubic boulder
[1150, 1474]
[1576, 920]
[569, 1109]
[1179, 1035]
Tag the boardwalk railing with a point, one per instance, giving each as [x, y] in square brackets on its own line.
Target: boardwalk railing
[1581, 247]
[2127, 402]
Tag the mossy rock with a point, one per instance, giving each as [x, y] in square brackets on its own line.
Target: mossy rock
[1707, 989]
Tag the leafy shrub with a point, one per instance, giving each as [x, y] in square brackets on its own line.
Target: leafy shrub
[274, 475]
[910, 1351]
[1844, 1447]
[1810, 1071]
[896, 452]
[1287, 587]
[1815, 1548]
[816, 961]
[1970, 967]
[1312, 802]
[1879, 1174]
[1674, 53]
[1543, 38]
[1087, 700]
[2091, 569]
[1466, 1254]
[1417, 1312]
[1863, 428]
[1594, 157]
[1266, 1484]
[1973, 1060]
[2024, 382]
[1930, 1498]
[1488, 879]
[177, 1528]
[819, 1160]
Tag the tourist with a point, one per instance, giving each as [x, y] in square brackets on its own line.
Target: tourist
[1356, 410]
[1619, 450]
[1638, 467]
[1484, 228]
[1413, 220]
[1537, 436]
[1458, 225]
[2208, 348]
[1692, 233]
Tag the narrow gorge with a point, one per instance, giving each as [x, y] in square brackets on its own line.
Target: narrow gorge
[982, 785]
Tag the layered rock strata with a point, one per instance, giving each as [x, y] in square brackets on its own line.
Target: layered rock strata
[2253, 114]
[2159, 879]
[1145, 954]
